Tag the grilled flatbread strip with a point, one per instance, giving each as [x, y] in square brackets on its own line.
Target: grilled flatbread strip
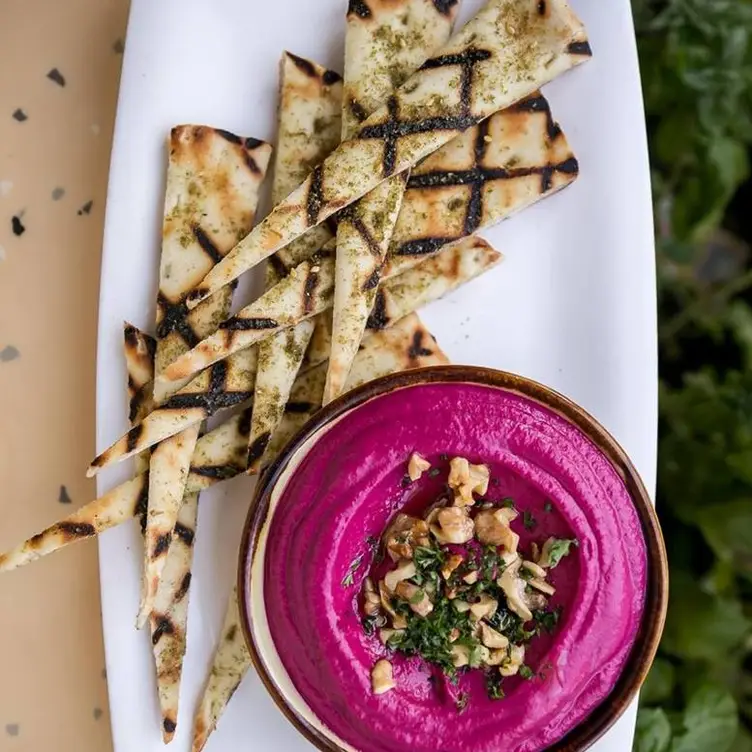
[169, 620]
[212, 389]
[213, 180]
[220, 454]
[408, 344]
[310, 113]
[383, 47]
[501, 56]
[309, 119]
[484, 175]
[307, 290]
[230, 664]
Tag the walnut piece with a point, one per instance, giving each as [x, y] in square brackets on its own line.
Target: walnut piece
[382, 678]
[492, 528]
[485, 607]
[511, 666]
[417, 466]
[514, 590]
[372, 604]
[404, 571]
[416, 598]
[454, 526]
[466, 479]
[491, 638]
[398, 621]
[534, 569]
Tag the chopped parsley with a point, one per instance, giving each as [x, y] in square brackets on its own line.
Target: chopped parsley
[349, 578]
[548, 506]
[528, 520]
[508, 502]
[493, 685]
[526, 672]
[434, 472]
[559, 549]
[461, 702]
[547, 620]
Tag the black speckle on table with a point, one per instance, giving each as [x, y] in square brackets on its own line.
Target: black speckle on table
[56, 76]
[64, 496]
[118, 46]
[86, 208]
[97, 713]
[20, 115]
[17, 225]
[58, 193]
[9, 353]
[12, 729]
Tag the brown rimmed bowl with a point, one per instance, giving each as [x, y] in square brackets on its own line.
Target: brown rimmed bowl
[263, 652]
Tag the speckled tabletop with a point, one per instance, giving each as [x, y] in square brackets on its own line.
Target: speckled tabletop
[60, 64]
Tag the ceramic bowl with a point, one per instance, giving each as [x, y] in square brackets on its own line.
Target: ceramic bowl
[263, 651]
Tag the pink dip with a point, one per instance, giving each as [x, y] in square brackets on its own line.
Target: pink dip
[347, 489]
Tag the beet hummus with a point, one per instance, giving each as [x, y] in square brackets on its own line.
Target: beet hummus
[326, 548]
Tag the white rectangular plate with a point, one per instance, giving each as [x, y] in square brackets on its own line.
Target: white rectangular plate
[573, 304]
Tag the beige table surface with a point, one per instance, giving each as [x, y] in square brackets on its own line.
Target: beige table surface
[54, 156]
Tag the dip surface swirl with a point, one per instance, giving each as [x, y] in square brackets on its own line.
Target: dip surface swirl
[343, 495]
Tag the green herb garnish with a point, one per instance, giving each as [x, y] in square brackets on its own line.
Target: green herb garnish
[461, 702]
[559, 549]
[548, 506]
[493, 685]
[528, 520]
[508, 502]
[526, 672]
[349, 578]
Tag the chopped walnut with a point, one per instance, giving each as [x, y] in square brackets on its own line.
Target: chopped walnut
[480, 475]
[497, 657]
[404, 571]
[466, 479]
[400, 536]
[460, 655]
[372, 605]
[492, 528]
[450, 565]
[541, 585]
[534, 569]
[511, 666]
[382, 678]
[514, 589]
[417, 466]
[398, 621]
[471, 577]
[491, 638]
[454, 526]
[485, 607]
[459, 472]
[416, 598]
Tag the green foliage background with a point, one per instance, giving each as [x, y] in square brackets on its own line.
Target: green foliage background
[696, 62]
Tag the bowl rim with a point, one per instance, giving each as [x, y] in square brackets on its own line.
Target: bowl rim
[600, 720]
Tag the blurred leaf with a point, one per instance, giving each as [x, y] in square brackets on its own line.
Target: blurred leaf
[728, 529]
[700, 625]
[706, 441]
[743, 741]
[660, 683]
[653, 731]
[710, 720]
